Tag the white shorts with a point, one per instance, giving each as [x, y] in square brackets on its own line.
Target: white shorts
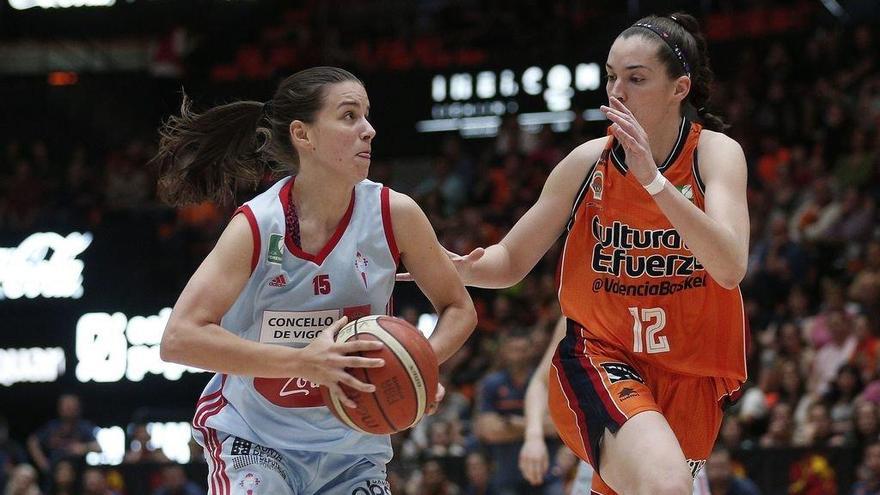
[241, 467]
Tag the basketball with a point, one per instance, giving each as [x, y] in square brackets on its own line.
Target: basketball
[405, 386]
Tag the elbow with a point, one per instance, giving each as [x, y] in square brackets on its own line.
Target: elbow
[732, 277]
[170, 348]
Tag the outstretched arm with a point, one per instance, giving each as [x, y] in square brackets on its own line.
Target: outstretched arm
[435, 275]
[506, 263]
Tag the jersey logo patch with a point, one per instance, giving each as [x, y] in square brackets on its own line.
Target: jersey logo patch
[687, 191]
[597, 185]
[618, 372]
[279, 281]
[275, 253]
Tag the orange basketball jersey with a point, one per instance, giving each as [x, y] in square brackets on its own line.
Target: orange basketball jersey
[630, 281]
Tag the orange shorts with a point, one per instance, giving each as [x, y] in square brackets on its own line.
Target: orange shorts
[594, 387]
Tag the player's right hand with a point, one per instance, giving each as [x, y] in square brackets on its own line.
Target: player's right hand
[462, 264]
[534, 460]
[324, 362]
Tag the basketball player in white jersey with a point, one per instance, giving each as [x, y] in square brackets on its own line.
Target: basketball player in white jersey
[318, 249]
[534, 460]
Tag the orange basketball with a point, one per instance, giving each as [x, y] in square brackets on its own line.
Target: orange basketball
[405, 386]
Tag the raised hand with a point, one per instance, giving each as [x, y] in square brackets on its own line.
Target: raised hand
[630, 134]
[324, 362]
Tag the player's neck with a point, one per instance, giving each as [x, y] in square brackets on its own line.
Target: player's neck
[663, 138]
[322, 199]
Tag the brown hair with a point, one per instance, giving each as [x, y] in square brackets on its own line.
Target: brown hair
[682, 31]
[204, 156]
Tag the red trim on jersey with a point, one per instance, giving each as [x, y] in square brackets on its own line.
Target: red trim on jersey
[386, 222]
[255, 231]
[284, 196]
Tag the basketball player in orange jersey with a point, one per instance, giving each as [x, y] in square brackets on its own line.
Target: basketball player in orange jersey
[319, 247]
[534, 459]
[656, 245]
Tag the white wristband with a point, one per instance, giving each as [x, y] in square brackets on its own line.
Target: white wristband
[656, 185]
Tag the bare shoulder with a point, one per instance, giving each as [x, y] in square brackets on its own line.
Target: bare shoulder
[401, 204]
[569, 174]
[720, 155]
[586, 153]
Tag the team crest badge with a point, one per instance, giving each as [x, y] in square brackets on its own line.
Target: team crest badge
[249, 483]
[597, 184]
[275, 254]
[361, 262]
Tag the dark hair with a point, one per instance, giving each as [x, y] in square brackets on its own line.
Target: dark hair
[682, 31]
[205, 156]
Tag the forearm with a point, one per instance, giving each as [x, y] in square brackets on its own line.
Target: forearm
[214, 348]
[535, 409]
[713, 245]
[455, 325]
[494, 270]
[37, 454]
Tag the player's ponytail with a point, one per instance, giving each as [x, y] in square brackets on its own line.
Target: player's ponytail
[205, 156]
[683, 51]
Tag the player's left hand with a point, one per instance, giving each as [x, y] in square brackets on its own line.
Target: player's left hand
[630, 134]
[441, 393]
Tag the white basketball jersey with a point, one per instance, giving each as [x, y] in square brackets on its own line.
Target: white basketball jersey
[291, 296]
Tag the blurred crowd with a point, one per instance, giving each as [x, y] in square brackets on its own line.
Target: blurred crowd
[807, 114]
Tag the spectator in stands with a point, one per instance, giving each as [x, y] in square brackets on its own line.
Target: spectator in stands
[63, 479]
[94, 482]
[432, 481]
[478, 473]
[817, 430]
[11, 453]
[837, 351]
[140, 449]
[500, 421]
[722, 480]
[868, 472]
[779, 428]
[22, 481]
[175, 482]
[867, 425]
[68, 437]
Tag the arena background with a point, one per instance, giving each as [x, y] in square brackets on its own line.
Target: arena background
[474, 102]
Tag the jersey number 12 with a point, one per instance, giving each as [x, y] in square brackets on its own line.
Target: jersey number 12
[656, 318]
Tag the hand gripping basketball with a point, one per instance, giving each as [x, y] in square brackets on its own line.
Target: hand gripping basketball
[325, 361]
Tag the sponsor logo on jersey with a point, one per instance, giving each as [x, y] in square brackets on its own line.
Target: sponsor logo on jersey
[597, 184]
[295, 327]
[279, 281]
[275, 252]
[618, 372]
[612, 252]
[372, 487]
[687, 191]
[627, 393]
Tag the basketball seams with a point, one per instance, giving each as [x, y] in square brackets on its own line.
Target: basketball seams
[424, 382]
[401, 353]
[375, 398]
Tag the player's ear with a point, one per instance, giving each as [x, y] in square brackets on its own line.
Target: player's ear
[681, 88]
